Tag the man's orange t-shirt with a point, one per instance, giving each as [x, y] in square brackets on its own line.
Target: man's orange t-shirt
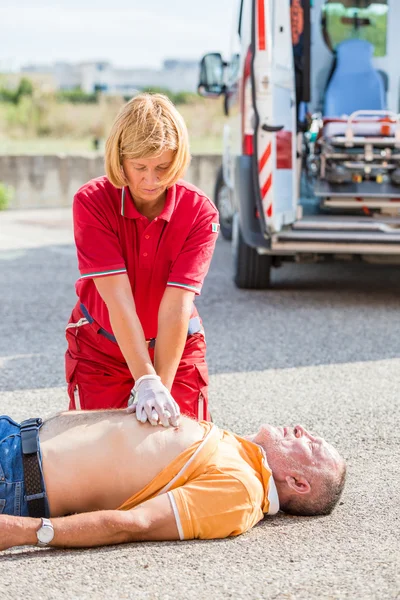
[220, 486]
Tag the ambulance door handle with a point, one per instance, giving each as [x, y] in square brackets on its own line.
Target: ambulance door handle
[271, 128]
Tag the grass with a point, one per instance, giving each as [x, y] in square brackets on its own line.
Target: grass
[47, 127]
[375, 33]
[45, 146]
[6, 195]
[211, 144]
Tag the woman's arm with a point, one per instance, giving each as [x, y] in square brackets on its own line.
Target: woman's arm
[153, 401]
[173, 321]
[117, 294]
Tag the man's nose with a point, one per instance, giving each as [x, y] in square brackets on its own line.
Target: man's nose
[299, 431]
[302, 431]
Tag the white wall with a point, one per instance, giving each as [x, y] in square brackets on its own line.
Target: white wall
[51, 181]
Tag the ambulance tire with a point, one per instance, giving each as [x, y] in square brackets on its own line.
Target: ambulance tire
[224, 204]
[252, 271]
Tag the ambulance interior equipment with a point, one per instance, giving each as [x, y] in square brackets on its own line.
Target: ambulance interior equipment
[358, 150]
[311, 92]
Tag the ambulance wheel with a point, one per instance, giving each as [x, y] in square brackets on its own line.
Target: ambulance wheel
[223, 201]
[252, 271]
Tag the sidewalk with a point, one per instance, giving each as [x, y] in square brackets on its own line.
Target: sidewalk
[22, 229]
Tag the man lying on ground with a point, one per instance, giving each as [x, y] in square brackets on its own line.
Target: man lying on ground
[103, 478]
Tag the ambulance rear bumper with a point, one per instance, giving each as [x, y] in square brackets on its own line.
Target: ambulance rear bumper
[336, 235]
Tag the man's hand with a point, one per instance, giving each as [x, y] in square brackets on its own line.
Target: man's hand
[17, 531]
[154, 403]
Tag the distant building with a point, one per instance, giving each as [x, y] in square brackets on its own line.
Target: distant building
[41, 78]
[175, 75]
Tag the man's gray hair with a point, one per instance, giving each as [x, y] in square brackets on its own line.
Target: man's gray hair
[323, 503]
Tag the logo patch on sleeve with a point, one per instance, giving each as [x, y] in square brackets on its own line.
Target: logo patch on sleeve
[215, 227]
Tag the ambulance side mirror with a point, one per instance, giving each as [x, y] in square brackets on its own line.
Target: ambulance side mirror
[211, 83]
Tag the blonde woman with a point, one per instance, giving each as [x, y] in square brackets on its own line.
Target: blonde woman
[144, 240]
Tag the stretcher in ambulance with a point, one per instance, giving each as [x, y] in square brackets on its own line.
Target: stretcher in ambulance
[311, 160]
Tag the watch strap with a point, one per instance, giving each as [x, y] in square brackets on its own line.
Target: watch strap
[46, 524]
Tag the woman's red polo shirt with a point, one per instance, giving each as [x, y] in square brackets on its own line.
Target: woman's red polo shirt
[111, 236]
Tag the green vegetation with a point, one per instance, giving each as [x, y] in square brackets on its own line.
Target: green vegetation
[42, 122]
[77, 96]
[341, 24]
[46, 145]
[6, 195]
[175, 97]
[25, 88]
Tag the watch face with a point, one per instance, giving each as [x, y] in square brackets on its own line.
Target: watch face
[45, 534]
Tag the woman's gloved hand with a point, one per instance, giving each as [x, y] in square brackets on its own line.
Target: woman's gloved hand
[151, 401]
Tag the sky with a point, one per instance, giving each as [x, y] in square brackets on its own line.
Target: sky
[127, 33]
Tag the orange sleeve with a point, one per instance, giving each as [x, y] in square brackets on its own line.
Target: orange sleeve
[214, 505]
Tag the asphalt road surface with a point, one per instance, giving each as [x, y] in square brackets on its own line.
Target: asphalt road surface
[321, 349]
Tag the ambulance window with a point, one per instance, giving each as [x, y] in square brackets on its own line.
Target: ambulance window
[241, 35]
[245, 21]
[356, 19]
[234, 69]
[240, 17]
[234, 62]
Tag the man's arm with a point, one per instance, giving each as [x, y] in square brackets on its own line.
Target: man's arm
[173, 321]
[153, 520]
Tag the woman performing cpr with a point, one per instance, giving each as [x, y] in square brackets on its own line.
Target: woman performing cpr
[144, 240]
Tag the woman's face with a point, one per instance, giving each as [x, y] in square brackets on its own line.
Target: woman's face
[143, 175]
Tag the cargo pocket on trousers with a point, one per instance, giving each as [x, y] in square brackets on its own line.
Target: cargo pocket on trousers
[202, 409]
[70, 367]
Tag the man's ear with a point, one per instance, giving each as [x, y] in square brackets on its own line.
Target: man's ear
[298, 484]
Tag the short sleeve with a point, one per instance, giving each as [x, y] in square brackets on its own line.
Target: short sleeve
[98, 247]
[214, 505]
[191, 266]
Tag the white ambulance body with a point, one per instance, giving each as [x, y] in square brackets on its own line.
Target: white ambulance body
[356, 196]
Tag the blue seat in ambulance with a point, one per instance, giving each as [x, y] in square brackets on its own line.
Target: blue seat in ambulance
[355, 84]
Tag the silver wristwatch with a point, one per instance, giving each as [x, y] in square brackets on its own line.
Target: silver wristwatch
[46, 533]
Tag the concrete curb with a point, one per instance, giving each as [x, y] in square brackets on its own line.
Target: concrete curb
[50, 181]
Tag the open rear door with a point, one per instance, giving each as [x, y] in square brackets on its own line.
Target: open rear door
[274, 103]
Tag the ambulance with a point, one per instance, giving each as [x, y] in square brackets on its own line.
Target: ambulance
[311, 146]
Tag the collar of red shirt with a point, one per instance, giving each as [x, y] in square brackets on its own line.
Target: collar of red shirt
[129, 210]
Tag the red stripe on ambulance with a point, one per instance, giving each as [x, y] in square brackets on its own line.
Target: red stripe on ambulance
[265, 167]
[265, 158]
[266, 187]
[262, 45]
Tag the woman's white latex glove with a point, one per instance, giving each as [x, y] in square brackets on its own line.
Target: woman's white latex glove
[151, 401]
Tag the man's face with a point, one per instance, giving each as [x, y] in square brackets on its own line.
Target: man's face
[294, 449]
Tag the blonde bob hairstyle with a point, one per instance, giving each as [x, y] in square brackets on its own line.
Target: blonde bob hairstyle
[146, 126]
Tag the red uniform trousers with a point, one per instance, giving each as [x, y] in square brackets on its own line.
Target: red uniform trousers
[99, 378]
